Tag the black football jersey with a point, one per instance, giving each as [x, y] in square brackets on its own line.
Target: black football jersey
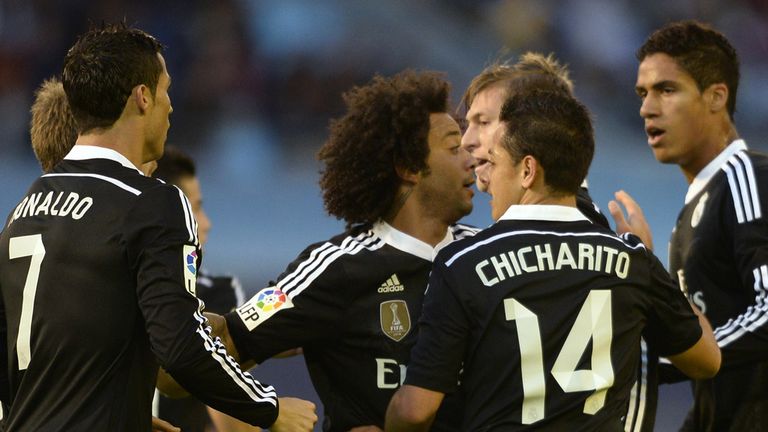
[641, 408]
[587, 206]
[221, 294]
[544, 310]
[352, 303]
[97, 272]
[719, 256]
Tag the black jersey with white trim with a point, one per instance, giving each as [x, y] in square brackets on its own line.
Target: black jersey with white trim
[220, 294]
[97, 272]
[641, 409]
[352, 303]
[544, 310]
[719, 256]
[589, 208]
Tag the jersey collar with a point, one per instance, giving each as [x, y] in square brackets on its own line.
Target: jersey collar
[703, 177]
[406, 243]
[543, 212]
[85, 152]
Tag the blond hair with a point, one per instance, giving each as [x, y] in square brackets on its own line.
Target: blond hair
[52, 128]
[531, 70]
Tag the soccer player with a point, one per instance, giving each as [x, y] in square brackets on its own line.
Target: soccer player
[53, 133]
[482, 101]
[544, 309]
[395, 172]
[687, 81]
[97, 263]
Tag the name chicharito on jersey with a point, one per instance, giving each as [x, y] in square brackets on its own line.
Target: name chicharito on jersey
[549, 257]
[53, 204]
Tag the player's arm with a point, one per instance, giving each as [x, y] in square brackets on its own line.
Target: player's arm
[160, 425]
[304, 307]
[677, 330]
[223, 422]
[412, 409]
[436, 359]
[161, 246]
[744, 337]
[702, 360]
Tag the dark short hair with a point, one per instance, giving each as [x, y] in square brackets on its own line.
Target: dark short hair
[555, 129]
[52, 127]
[102, 68]
[174, 166]
[704, 53]
[386, 126]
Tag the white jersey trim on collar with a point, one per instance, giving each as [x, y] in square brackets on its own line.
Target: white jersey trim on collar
[406, 243]
[702, 178]
[85, 152]
[544, 213]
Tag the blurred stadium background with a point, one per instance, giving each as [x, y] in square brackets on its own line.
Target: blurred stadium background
[255, 82]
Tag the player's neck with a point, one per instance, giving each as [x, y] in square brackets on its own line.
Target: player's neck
[709, 150]
[121, 137]
[534, 197]
[415, 222]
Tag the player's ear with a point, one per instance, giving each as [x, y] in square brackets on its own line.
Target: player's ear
[530, 171]
[142, 97]
[407, 175]
[717, 97]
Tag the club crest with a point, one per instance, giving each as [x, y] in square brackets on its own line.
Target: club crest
[395, 319]
[699, 210]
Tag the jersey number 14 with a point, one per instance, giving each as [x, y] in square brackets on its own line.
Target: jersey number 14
[593, 322]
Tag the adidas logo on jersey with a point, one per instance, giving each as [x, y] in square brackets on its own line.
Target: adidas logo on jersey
[392, 284]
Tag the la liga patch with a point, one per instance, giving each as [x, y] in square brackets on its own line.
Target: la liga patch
[189, 260]
[262, 306]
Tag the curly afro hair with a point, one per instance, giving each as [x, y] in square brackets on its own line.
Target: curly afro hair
[385, 127]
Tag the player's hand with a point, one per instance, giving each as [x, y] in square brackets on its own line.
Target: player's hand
[296, 415]
[163, 426]
[366, 429]
[635, 222]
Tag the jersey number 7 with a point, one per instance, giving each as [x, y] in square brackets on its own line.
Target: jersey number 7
[20, 247]
[593, 322]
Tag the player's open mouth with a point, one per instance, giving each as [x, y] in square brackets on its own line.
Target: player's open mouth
[654, 134]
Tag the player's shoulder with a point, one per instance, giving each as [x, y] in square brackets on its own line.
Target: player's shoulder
[354, 242]
[350, 241]
[461, 231]
[469, 238]
[744, 163]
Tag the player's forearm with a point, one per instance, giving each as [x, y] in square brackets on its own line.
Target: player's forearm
[217, 380]
[703, 359]
[219, 329]
[412, 409]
